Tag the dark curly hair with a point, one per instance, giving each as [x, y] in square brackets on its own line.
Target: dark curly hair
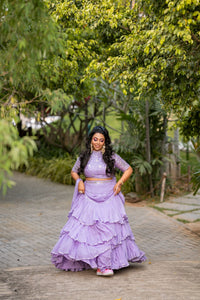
[107, 156]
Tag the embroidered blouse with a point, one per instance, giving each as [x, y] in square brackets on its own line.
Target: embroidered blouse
[96, 167]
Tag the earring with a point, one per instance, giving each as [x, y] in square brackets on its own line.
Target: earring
[91, 148]
[103, 149]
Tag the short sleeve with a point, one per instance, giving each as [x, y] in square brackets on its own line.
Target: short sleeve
[76, 165]
[120, 163]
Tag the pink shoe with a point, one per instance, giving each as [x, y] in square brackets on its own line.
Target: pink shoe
[106, 272]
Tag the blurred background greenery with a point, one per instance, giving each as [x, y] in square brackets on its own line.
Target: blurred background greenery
[132, 66]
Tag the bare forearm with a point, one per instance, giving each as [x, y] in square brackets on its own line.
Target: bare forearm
[125, 176]
[75, 175]
[81, 186]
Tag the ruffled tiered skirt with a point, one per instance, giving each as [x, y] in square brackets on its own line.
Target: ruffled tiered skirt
[97, 233]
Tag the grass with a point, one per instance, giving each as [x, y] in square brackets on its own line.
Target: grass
[158, 208]
[183, 221]
[161, 209]
[184, 212]
[177, 212]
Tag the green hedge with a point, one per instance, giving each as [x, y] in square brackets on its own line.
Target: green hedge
[55, 169]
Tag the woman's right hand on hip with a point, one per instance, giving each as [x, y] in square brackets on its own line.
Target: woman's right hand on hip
[81, 187]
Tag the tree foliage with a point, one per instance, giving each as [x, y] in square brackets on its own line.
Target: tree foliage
[196, 181]
[159, 54]
[27, 36]
[14, 151]
[134, 139]
[80, 59]
[80, 101]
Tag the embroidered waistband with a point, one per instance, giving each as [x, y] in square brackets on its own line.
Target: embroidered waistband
[98, 181]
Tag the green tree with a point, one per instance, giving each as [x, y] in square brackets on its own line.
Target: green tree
[106, 24]
[27, 36]
[146, 162]
[190, 125]
[160, 53]
[77, 100]
[13, 152]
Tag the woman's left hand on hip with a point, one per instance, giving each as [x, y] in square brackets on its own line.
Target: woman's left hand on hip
[117, 188]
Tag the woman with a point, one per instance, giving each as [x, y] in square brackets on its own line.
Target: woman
[97, 234]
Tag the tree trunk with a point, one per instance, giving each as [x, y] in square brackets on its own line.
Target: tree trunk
[132, 3]
[148, 146]
[86, 120]
[163, 146]
[138, 182]
[104, 115]
[177, 152]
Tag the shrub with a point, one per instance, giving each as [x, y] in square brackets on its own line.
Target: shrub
[57, 169]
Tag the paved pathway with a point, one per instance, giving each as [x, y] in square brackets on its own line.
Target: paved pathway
[32, 215]
[185, 209]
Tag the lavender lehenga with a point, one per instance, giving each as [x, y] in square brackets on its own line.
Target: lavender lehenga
[97, 233]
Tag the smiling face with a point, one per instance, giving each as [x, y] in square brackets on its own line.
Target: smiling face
[98, 140]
